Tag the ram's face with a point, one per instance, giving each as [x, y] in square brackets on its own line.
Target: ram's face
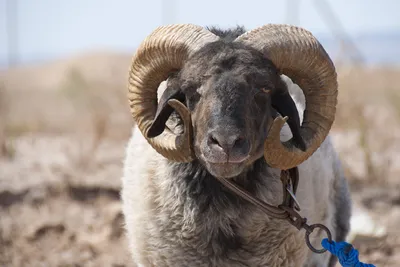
[230, 106]
[232, 93]
[229, 123]
[225, 92]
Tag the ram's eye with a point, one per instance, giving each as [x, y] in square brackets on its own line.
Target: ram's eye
[265, 90]
[193, 96]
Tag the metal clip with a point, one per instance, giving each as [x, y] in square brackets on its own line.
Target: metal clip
[299, 222]
[290, 190]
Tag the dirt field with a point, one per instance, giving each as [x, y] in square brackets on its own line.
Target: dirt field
[63, 130]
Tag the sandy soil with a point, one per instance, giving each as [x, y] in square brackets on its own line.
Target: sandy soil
[62, 143]
[51, 215]
[54, 212]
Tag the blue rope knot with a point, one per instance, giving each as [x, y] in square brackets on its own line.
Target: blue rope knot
[346, 254]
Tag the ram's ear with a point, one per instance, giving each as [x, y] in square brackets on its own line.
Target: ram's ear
[164, 110]
[284, 104]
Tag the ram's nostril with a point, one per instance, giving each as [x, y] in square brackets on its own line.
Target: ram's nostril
[228, 143]
[239, 141]
[212, 140]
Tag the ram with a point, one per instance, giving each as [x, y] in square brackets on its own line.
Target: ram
[220, 116]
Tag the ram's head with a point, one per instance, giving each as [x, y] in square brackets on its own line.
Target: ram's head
[227, 95]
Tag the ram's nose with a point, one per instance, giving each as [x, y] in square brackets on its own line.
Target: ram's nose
[235, 148]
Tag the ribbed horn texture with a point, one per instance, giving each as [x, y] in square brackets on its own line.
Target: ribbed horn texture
[163, 51]
[298, 55]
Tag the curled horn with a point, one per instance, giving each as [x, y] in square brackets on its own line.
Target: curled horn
[298, 54]
[163, 51]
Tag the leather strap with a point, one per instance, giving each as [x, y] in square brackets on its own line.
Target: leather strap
[287, 210]
[289, 178]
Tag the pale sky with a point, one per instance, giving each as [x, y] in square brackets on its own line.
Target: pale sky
[49, 29]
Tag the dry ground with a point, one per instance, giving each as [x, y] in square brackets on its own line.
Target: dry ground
[63, 130]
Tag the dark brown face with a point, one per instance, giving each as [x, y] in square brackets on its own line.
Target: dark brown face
[230, 123]
[232, 94]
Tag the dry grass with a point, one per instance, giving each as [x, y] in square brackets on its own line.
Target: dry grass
[6, 143]
[369, 106]
[62, 135]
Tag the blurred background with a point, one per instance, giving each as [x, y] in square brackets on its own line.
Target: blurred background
[65, 121]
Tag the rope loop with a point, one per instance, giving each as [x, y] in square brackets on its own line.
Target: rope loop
[345, 252]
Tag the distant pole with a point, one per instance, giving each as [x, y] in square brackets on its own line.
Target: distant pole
[12, 31]
[339, 31]
[168, 11]
[293, 12]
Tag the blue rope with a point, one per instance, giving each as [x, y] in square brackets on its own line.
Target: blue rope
[347, 255]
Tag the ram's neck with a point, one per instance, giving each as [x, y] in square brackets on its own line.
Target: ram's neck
[203, 191]
[202, 210]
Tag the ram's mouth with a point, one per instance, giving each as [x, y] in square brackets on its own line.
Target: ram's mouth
[229, 160]
[225, 169]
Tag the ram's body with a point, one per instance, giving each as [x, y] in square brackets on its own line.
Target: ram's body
[177, 214]
[173, 220]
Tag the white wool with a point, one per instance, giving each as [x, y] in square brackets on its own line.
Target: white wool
[146, 172]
